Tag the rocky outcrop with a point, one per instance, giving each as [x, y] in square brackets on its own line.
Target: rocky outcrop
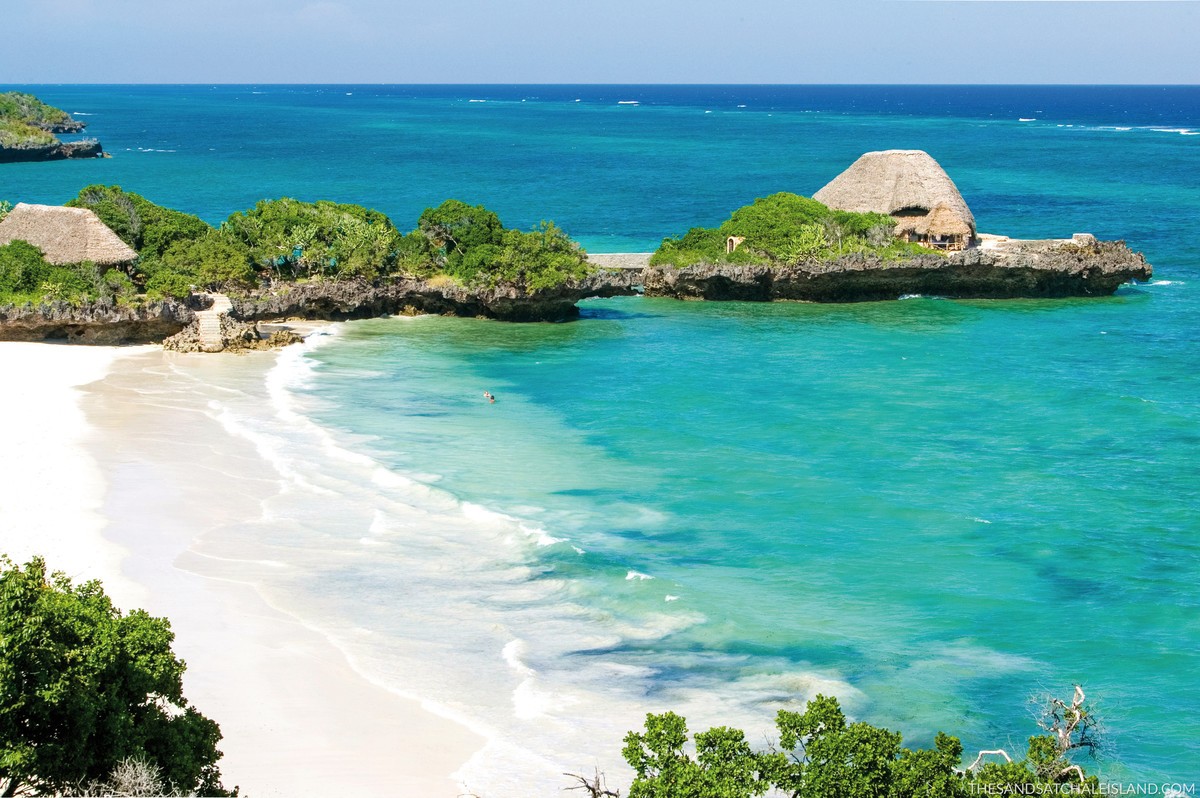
[360, 299]
[1022, 270]
[1019, 269]
[55, 151]
[234, 336]
[188, 326]
[102, 322]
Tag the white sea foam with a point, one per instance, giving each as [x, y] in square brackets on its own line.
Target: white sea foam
[1165, 282]
[542, 537]
[1027, 119]
[447, 601]
[627, 102]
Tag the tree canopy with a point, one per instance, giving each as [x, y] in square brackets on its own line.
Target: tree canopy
[822, 755]
[84, 687]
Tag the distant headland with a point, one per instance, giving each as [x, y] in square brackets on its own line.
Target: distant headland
[28, 127]
[115, 267]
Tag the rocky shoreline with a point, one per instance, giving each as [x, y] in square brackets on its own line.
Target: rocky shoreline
[56, 151]
[1017, 270]
[22, 113]
[104, 322]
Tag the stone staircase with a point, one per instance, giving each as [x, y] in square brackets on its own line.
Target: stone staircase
[209, 322]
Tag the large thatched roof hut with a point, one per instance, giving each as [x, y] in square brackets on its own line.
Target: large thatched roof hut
[65, 235]
[910, 186]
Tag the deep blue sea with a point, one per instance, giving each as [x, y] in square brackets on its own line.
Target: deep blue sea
[933, 509]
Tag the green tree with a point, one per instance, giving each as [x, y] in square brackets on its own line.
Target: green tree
[724, 766]
[455, 228]
[292, 237]
[214, 260]
[84, 687]
[834, 759]
[149, 228]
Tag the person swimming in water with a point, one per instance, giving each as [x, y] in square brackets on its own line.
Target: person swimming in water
[487, 395]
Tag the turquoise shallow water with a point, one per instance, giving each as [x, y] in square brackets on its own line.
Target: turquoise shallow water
[934, 509]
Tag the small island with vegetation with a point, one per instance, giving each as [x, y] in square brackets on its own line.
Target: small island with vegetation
[893, 224]
[28, 127]
[114, 267]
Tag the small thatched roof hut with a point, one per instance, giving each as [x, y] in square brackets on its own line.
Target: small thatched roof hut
[942, 222]
[65, 235]
[910, 186]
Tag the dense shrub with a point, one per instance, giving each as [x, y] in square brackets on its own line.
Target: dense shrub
[215, 260]
[785, 229]
[294, 238]
[470, 244]
[26, 276]
[542, 258]
[456, 228]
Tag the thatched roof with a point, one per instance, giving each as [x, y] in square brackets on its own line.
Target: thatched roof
[941, 221]
[65, 235]
[898, 180]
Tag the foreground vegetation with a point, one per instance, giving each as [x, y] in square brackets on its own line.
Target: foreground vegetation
[822, 755]
[88, 694]
[91, 699]
[26, 121]
[786, 229]
[289, 240]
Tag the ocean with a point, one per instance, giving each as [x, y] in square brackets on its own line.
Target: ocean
[935, 510]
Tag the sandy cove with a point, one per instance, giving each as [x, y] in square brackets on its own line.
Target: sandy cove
[109, 474]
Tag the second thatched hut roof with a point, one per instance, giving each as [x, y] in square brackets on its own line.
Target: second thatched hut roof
[65, 235]
[902, 183]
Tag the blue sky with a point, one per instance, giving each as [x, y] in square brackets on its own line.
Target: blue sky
[603, 41]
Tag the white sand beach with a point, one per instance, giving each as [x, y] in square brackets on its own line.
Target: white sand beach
[111, 469]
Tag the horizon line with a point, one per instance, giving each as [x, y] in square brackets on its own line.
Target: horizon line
[599, 84]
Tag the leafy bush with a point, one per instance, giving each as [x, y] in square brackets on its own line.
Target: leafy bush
[166, 284]
[455, 228]
[316, 238]
[534, 261]
[26, 276]
[215, 260]
[784, 229]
